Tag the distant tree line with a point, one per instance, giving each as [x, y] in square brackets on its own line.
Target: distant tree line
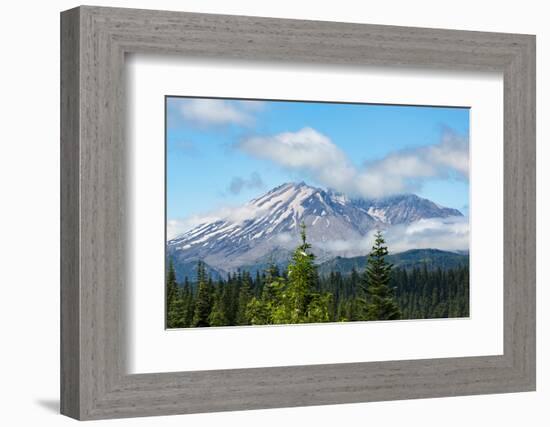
[299, 295]
[420, 293]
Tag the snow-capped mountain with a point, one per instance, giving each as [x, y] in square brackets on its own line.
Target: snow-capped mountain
[404, 209]
[266, 229]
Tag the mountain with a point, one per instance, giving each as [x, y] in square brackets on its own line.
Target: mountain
[404, 209]
[431, 258]
[189, 269]
[266, 229]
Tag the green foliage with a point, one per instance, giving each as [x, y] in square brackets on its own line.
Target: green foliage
[319, 309]
[217, 314]
[413, 258]
[302, 281]
[203, 305]
[296, 299]
[244, 298]
[174, 303]
[300, 295]
[379, 302]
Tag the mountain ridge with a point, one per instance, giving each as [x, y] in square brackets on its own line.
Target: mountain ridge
[407, 260]
[432, 259]
[267, 227]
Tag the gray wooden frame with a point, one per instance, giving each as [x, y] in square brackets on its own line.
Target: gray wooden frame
[94, 41]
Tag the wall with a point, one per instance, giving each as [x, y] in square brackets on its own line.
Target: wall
[29, 228]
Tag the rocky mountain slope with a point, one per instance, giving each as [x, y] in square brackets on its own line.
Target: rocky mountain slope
[266, 229]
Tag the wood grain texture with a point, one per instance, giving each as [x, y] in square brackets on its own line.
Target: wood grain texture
[94, 272]
[70, 297]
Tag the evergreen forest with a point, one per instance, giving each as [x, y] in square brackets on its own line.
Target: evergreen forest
[299, 294]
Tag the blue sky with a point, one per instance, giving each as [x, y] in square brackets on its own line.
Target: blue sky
[225, 152]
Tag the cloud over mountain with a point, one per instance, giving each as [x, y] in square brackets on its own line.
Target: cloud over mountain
[449, 233]
[402, 171]
[267, 228]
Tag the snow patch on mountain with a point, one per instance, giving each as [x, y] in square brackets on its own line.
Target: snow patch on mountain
[267, 228]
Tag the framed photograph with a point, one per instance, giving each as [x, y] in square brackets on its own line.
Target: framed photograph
[261, 213]
[307, 212]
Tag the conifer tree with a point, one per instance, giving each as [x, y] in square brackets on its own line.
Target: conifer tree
[270, 306]
[258, 311]
[230, 300]
[299, 295]
[380, 301]
[258, 283]
[173, 301]
[301, 300]
[302, 275]
[203, 304]
[244, 298]
[272, 272]
[188, 303]
[217, 315]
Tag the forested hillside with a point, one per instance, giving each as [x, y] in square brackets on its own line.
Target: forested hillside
[299, 294]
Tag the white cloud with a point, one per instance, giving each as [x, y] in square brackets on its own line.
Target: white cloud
[404, 170]
[306, 150]
[234, 214]
[450, 234]
[313, 153]
[238, 183]
[216, 112]
[175, 227]
[285, 238]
